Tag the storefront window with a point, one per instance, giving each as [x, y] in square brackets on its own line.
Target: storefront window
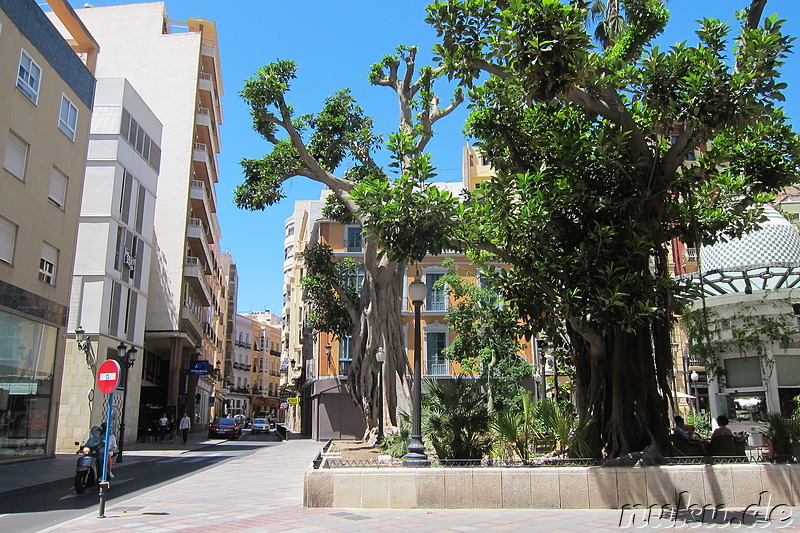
[27, 362]
[746, 406]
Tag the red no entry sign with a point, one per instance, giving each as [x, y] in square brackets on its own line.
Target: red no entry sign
[108, 376]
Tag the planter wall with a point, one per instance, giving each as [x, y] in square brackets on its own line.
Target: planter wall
[730, 485]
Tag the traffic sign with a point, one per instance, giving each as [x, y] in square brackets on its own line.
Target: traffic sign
[292, 400]
[108, 376]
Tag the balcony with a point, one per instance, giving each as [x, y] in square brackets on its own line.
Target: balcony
[196, 234]
[194, 272]
[203, 200]
[189, 317]
[204, 166]
[437, 369]
[207, 129]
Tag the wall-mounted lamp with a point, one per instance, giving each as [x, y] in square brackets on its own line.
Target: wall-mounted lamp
[84, 343]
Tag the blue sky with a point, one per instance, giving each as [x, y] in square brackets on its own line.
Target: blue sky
[334, 43]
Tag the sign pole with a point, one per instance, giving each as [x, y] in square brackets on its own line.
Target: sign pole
[107, 381]
[104, 485]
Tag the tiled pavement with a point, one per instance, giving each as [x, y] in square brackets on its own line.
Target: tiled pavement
[263, 492]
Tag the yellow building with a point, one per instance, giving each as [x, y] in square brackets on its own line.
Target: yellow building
[45, 111]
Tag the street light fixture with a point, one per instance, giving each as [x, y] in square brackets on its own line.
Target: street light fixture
[84, 343]
[694, 376]
[127, 357]
[380, 357]
[416, 457]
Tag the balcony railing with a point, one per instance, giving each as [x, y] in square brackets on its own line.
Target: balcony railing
[437, 369]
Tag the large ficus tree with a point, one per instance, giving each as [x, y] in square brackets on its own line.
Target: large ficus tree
[603, 156]
[403, 217]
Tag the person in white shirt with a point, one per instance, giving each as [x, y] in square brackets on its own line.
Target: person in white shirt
[162, 427]
[184, 426]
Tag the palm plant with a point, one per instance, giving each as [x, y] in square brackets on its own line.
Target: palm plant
[456, 419]
[782, 432]
[564, 426]
[515, 429]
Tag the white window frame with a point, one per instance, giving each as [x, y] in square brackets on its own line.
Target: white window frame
[58, 188]
[7, 162]
[26, 76]
[48, 263]
[346, 348]
[8, 239]
[347, 240]
[436, 328]
[429, 305]
[69, 125]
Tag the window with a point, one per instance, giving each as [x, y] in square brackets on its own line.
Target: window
[354, 278]
[29, 76]
[435, 362]
[139, 140]
[58, 188]
[16, 156]
[436, 299]
[8, 235]
[47, 264]
[353, 239]
[345, 354]
[68, 117]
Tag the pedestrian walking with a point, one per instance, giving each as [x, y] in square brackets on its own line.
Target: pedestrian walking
[162, 428]
[186, 423]
[171, 427]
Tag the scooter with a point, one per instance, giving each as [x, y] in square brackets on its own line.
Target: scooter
[87, 470]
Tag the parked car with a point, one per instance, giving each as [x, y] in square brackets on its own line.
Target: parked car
[224, 427]
[260, 425]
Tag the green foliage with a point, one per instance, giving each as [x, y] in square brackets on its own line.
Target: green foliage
[782, 431]
[560, 421]
[324, 286]
[515, 428]
[396, 444]
[407, 217]
[700, 421]
[456, 421]
[488, 339]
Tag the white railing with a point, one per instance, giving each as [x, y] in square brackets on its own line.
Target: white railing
[691, 254]
[203, 111]
[193, 261]
[204, 76]
[437, 369]
[200, 146]
[198, 185]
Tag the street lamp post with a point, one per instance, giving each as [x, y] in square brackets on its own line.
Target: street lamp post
[694, 376]
[127, 357]
[416, 448]
[380, 357]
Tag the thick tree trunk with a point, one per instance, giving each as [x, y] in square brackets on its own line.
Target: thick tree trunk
[380, 324]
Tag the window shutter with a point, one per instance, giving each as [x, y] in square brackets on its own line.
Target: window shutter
[127, 186]
[113, 321]
[140, 209]
[132, 316]
[8, 234]
[58, 188]
[16, 154]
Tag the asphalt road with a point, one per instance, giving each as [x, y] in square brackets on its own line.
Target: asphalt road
[41, 506]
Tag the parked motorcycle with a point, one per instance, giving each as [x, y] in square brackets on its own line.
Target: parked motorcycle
[88, 468]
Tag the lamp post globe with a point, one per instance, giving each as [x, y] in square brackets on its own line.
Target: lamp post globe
[380, 357]
[416, 457]
[694, 376]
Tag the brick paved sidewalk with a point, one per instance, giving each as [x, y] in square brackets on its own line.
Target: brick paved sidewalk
[263, 492]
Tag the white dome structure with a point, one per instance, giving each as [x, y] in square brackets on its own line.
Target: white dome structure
[776, 243]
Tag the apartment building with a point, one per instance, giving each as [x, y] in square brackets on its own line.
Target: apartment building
[112, 259]
[267, 364]
[45, 111]
[175, 68]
